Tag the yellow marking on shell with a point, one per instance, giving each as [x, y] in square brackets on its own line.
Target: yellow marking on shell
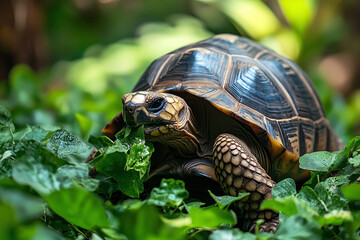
[165, 115]
[170, 109]
[155, 133]
[164, 129]
[169, 99]
[138, 98]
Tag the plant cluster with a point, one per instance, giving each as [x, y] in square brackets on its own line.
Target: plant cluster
[46, 193]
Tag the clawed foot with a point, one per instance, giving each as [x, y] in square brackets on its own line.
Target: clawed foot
[267, 226]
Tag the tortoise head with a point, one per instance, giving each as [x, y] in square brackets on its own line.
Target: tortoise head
[166, 118]
[160, 113]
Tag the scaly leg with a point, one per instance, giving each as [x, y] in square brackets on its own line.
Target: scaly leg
[238, 171]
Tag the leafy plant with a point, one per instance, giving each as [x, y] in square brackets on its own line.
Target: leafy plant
[46, 192]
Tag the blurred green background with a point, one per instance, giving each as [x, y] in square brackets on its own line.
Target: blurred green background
[68, 62]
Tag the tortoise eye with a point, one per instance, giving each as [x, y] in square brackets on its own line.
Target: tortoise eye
[156, 105]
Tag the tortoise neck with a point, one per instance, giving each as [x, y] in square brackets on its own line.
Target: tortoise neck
[187, 140]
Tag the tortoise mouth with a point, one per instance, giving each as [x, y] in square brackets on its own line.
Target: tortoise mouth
[157, 130]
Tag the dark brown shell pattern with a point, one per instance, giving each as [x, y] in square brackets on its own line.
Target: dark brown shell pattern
[254, 85]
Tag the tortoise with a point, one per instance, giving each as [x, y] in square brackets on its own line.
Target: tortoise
[231, 110]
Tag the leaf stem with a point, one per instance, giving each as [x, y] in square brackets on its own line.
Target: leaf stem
[77, 229]
[12, 139]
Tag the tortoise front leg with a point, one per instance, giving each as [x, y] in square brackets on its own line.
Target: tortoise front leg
[238, 171]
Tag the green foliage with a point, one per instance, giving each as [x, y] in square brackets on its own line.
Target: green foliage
[78, 206]
[211, 217]
[326, 208]
[45, 188]
[226, 201]
[44, 181]
[327, 162]
[127, 160]
[171, 193]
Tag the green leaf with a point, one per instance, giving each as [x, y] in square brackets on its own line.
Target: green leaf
[27, 207]
[127, 160]
[75, 175]
[7, 221]
[34, 167]
[309, 196]
[7, 154]
[290, 206]
[226, 200]
[146, 223]
[298, 227]
[352, 191]
[355, 161]
[100, 141]
[138, 158]
[31, 133]
[211, 217]
[113, 165]
[6, 128]
[127, 137]
[37, 231]
[329, 192]
[299, 13]
[337, 217]
[231, 234]
[328, 162]
[5, 119]
[78, 207]
[171, 193]
[64, 144]
[85, 124]
[43, 171]
[286, 187]
[10, 228]
[189, 205]
[317, 161]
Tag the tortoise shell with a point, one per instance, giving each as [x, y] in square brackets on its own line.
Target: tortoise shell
[254, 85]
